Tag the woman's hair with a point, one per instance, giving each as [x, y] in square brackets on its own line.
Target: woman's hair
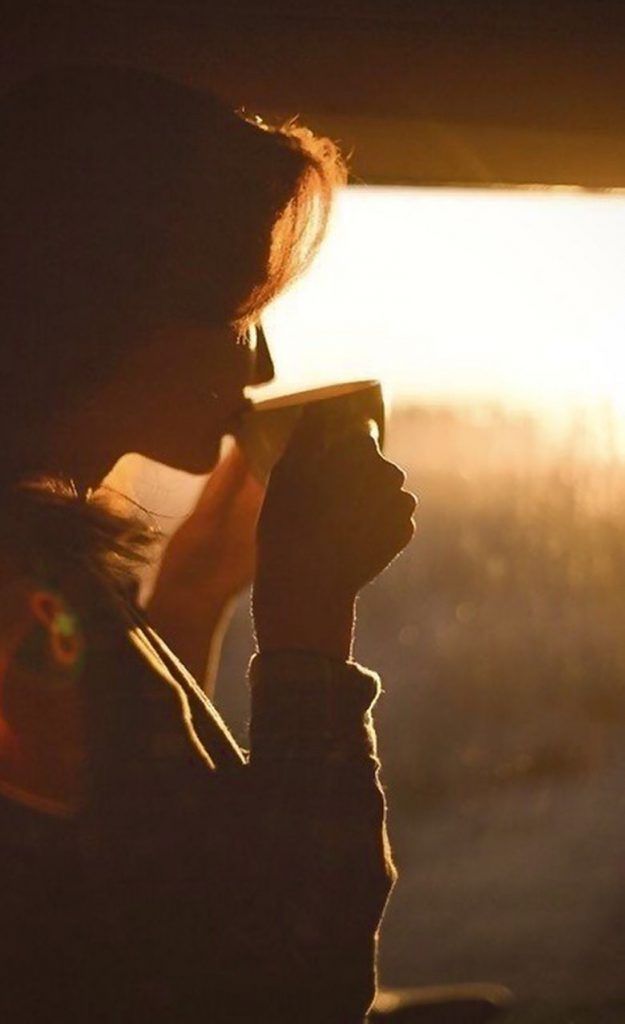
[90, 547]
[129, 201]
[46, 517]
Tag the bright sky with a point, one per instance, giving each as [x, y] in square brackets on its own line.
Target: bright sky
[516, 296]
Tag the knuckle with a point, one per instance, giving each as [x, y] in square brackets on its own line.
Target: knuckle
[407, 532]
[396, 473]
[362, 440]
[358, 449]
[410, 501]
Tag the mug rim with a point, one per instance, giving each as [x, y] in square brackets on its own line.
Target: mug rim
[317, 394]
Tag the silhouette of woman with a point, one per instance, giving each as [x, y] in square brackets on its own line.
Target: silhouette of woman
[151, 869]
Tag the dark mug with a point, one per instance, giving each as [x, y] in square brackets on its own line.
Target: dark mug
[266, 429]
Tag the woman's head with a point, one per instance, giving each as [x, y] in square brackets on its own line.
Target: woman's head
[131, 205]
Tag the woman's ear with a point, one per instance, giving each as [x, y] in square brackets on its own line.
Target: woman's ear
[64, 638]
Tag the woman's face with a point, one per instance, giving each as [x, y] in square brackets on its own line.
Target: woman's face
[175, 398]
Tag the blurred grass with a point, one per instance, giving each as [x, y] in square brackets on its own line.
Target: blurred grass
[500, 630]
[499, 637]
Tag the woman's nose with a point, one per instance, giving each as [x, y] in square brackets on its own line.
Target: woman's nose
[264, 370]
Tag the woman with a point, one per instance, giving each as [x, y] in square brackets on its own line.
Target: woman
[153, 871]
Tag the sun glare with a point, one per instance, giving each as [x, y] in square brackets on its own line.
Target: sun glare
[464, 294]
[472, 296]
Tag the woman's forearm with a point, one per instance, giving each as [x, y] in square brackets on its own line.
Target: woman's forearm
[195, 632]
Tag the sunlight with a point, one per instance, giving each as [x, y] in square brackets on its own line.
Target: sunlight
[479, 297]
[471, 295]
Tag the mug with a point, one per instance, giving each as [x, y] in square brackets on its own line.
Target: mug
[266, 428]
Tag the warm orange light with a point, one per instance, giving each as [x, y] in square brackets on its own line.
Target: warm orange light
[511, 296]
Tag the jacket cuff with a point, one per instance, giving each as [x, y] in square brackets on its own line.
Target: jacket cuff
[308, 705]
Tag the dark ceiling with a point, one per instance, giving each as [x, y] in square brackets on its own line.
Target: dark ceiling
[508, 92]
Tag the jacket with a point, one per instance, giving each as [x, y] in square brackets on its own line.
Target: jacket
[202, 882]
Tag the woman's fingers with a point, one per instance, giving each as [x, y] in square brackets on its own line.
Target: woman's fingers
[336, 511]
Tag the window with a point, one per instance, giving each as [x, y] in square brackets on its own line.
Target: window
[497, 321]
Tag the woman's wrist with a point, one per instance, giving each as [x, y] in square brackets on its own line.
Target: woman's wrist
[301, 624]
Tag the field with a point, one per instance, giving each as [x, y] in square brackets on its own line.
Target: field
[500, 638]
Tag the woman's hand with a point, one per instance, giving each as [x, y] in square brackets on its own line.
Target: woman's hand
[335, 515]
[207, 563]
